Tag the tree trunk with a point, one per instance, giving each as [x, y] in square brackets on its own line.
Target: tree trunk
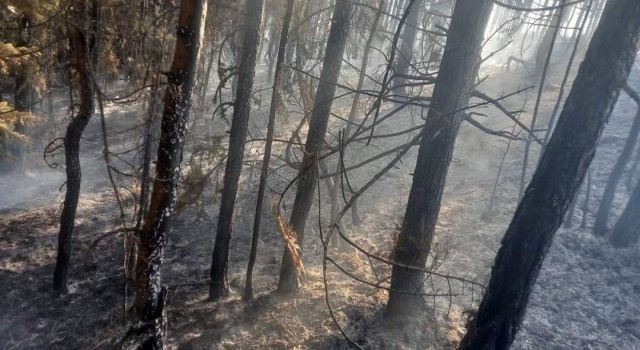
[602, 217]
[308, 172]
[264, 172]
[150, 293]
[450, 95]
[627, 229]
[337, 180]
[241, 110]
[561, 170]
[82, 48]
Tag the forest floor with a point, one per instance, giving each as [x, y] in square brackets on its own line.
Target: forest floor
[586, 297]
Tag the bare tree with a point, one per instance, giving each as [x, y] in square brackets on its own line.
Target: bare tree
[237, 136]
[451, 93]
[82, 38]
[150, 292]
[308, 171]
[264, 172]
[559, 174]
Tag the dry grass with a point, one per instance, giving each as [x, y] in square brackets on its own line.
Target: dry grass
[290, 239]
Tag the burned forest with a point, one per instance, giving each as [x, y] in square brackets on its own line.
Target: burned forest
[339, 174]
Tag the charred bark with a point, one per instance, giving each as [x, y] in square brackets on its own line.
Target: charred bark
[150, 293]
[450, 96]
[561, 170]
[81, 39]
[308, 171]
[242, 108]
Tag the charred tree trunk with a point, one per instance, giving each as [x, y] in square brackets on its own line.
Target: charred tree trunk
[602, 217]
[241, 110]
[150, 135]
[264, 172]
[150, 293]
[450, 96]
[80, 39]
[308, 172]
[627, 229]
[561, 170]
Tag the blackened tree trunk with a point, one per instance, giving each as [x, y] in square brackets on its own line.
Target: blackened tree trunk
[241, 110]
[561, 170]
[308, 172]
[264, 172]
[80, 40]
[450, 96]
[627, 229]
[406, 48]
[150, 293]
[602, 217]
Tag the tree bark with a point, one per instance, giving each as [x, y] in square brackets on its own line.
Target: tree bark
[561, 170]
[242, 108]
[308, 172]
[150, 293]
[450, 96]
[627, 229]
[264, 172]
[80, 40]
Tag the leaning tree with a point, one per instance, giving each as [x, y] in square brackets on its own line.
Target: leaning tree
[308, 171]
